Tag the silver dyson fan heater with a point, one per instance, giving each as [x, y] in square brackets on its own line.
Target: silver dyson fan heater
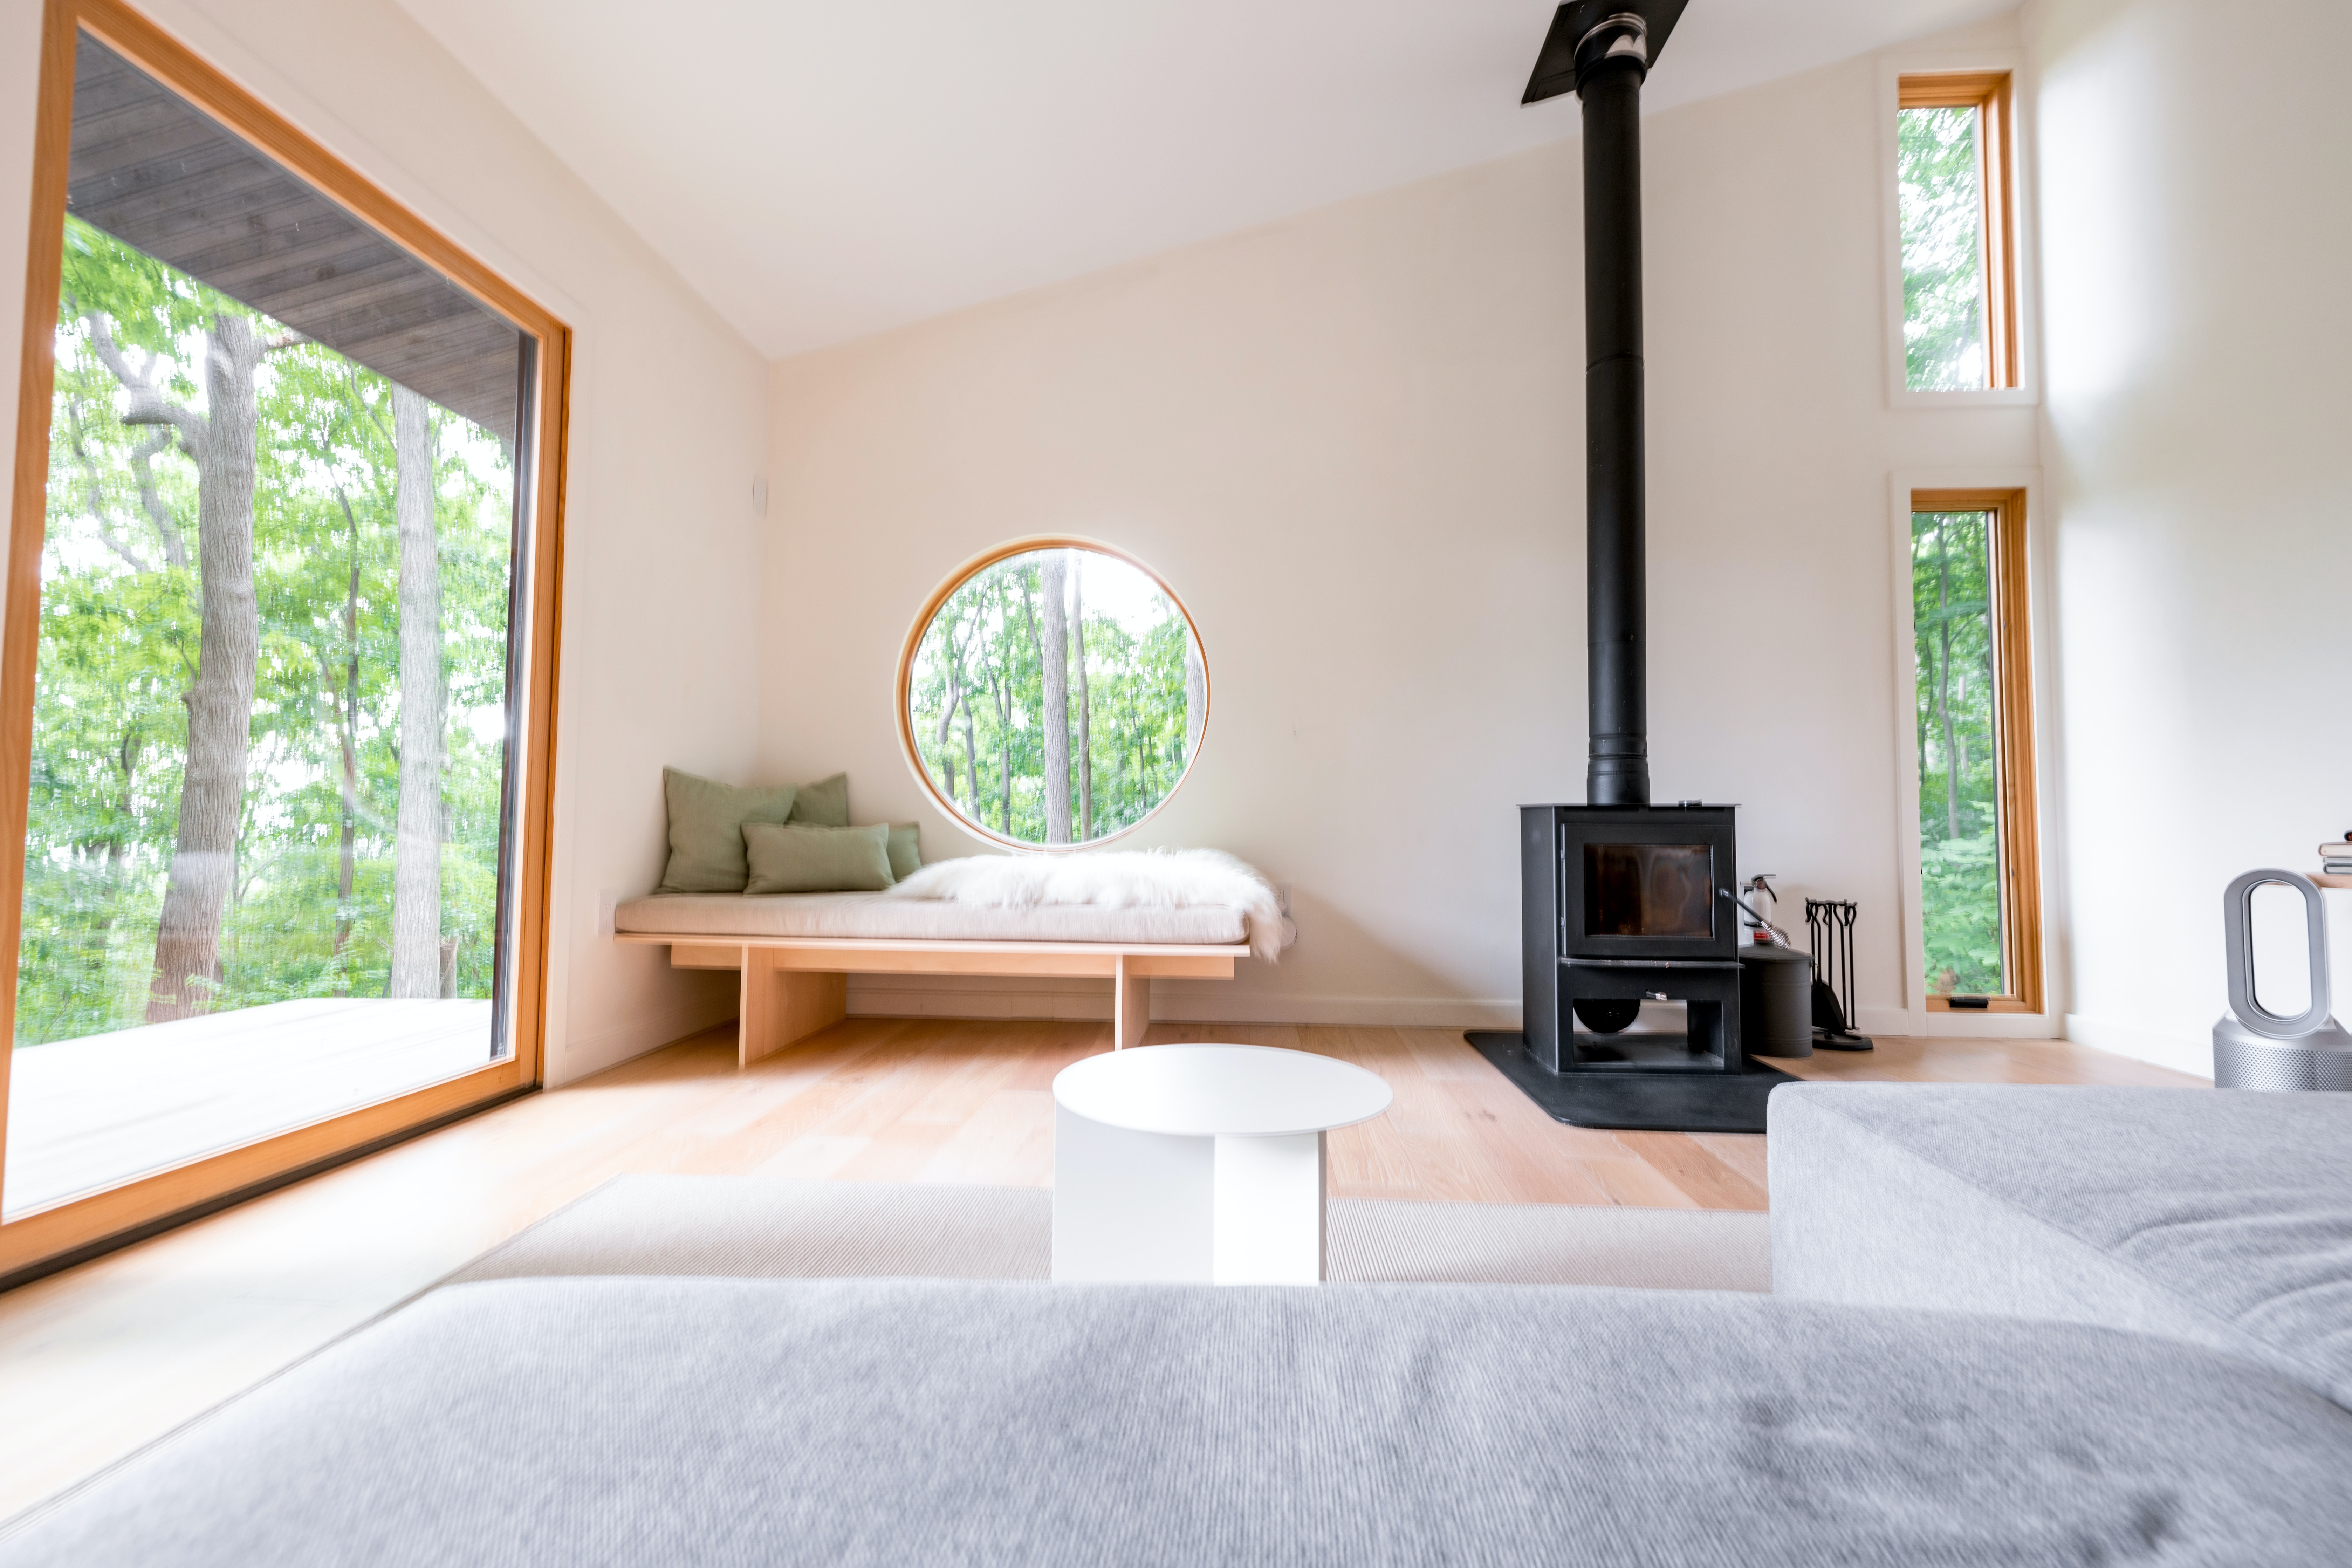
[2256, 1048]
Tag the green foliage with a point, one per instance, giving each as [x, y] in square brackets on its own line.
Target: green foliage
[1959, 769]
[1941, 207]
[1960, 893]
[149, 305]
[976, 697]
[119, 648]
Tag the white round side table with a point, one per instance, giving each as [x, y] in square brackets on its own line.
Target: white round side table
[1199, 1163]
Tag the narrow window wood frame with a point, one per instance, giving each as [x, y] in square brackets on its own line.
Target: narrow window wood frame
[2013, 745]
[55, 1236]
[1990, 94]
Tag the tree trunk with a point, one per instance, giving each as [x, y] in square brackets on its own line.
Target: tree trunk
[127, 760]
[1960, 737]
[946, 714]
[1944, 681]
[1086, 707]
[417, 853]
[1000, 693]
[971, 764]
[126, 757]
[1196, 697]
[220, 703]
[1053, 667]
[344, 693]
[1927, 658]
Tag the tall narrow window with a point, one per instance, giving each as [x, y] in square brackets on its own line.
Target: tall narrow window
[1957, 214]
[1979, 890]
[280, 579]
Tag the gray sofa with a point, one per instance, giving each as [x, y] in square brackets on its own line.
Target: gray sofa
[2222, 1219]
[661, 1421]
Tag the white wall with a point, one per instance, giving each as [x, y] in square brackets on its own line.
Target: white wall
[668, 430]
[2200, 444]
[1352, 441]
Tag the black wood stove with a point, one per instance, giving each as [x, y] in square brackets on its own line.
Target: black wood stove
[1622, 905]
[1621, 902]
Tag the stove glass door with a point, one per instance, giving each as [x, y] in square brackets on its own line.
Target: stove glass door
[1649, 890]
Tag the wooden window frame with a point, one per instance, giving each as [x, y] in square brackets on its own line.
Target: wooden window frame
[1991, 93]
[903, 686]
[2013, 748]
[54, 1236]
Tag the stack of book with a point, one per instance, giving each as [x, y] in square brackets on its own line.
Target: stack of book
[2336, 858]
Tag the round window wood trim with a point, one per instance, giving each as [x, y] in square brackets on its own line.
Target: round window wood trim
[922, 623]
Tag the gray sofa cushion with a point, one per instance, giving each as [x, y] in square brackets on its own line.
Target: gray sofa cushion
[2220, 1216]
[657, 1421]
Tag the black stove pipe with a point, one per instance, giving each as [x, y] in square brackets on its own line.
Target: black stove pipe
[1617, 766]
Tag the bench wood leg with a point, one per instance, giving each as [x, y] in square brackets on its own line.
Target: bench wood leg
[1131, 1005]
[779, 1006]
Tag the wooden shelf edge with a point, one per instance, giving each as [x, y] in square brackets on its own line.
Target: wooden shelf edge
[2008, 1005]
[914, 944]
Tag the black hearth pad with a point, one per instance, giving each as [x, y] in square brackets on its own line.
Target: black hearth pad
[1636, 1102]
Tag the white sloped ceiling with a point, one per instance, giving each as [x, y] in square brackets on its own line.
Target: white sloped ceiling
[821, 171]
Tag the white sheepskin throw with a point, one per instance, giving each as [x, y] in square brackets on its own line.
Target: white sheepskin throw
[1117, 879]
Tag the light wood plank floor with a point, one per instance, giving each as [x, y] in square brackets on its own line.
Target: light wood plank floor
[102, 1358]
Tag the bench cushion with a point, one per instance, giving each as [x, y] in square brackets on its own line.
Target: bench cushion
[2220, 1216]
[673, 1422]
[878, 917]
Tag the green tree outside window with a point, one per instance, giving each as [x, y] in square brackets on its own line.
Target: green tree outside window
[223, 591]
[1056, 697]
[1959, 770]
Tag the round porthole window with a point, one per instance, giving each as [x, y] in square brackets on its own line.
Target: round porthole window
[1052, 693]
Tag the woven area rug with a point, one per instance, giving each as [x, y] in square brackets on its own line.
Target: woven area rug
[763, 1228]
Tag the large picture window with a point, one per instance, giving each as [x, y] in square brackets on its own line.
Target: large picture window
[1979, 888]
[1052, 694]
[281, 693]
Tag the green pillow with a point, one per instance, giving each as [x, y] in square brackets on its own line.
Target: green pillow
[798, 859]
[906, 855]
[705, 831]
[825, 804]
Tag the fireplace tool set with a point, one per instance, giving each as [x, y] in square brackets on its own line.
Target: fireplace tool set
[1829, 930]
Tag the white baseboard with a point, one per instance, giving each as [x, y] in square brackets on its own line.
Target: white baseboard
[581, 1055]
[1197, 1002]
[1175, 1001]
[1882, 1021]
[2182, 1053]
[1963, 1026]
[1342, 1012]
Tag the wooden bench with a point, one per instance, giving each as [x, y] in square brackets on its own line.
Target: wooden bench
[795, 986]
